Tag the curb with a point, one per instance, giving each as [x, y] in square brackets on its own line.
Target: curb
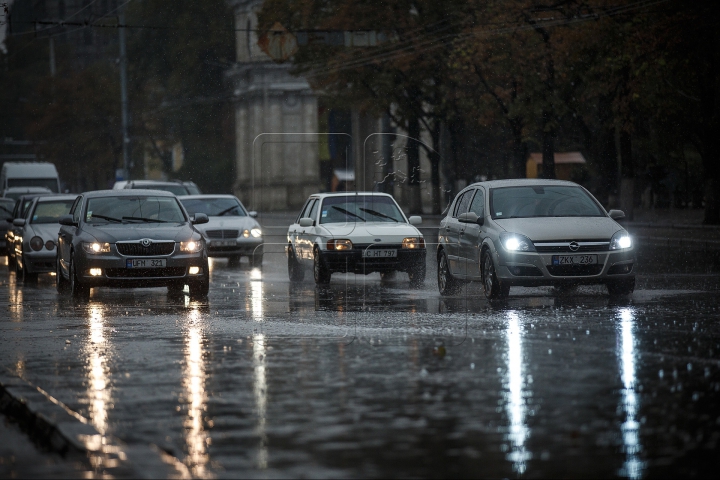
[58, 428]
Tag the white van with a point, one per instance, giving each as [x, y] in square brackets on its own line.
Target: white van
[29, 174]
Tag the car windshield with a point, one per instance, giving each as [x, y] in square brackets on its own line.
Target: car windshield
[50, 212]
[360, 208]
[542, 201]
[175, 189]
[214, 207]
[127, 209]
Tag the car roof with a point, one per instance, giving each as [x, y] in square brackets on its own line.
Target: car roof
[127, 193]
[523, 182]
[152, 182]
[345, 194]
[206, 195]
[53, 198]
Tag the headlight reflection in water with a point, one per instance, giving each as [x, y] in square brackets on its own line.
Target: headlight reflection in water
[516, 406]
[633, 466]
[196, 437]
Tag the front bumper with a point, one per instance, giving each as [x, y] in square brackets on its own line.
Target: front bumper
[352, 261]
[40, 262]
[115, 273]
[244, 247]
[537, 269]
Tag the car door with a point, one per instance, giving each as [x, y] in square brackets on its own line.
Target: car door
[472, 237]
[306, 234]
[454, 230]
[67, 233]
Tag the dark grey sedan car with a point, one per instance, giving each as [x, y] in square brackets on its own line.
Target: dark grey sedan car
[131, 238]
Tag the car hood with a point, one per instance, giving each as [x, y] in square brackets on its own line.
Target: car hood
[369, 232]
[112, 233]
[46, 231]
[233, 223]
[562, 228]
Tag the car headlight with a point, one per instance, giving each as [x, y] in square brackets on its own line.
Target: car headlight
[191, 247]
[342, 245]
[514, 242]
[413, 242]
[96, 247]
[620, 241]
[36, 243]
[256, 232]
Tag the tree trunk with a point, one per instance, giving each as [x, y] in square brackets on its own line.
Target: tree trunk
[435, 168]
[548, 152]
[413, 157]
[519, 151]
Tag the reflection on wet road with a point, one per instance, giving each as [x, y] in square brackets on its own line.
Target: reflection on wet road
[371, 378]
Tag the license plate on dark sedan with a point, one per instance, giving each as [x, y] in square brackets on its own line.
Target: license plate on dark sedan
[574, 260]
[146, 263]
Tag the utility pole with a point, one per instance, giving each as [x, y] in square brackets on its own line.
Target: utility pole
[124, 97]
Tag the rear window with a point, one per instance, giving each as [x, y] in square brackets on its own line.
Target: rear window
[175, 189]
[49, 183]
[50, 212]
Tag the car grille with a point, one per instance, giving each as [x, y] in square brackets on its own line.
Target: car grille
[221, 233]
[563, 246]
[137, 250]
[145, 272]
[574, 270]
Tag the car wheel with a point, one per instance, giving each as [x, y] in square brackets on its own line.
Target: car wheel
[234, 261]
[492, 287]
[256, 260]
[23, 274]
[321, 273]
[621, 287]
[387, 276]
[61, 283]
[77, 289]
[10, 263]
[175, 289]
[295, 271]
[417, 275]
[199, 289]
[447, 284]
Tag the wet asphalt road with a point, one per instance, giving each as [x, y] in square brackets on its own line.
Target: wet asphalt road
[364, 378]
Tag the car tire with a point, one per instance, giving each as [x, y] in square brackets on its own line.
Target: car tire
[256, 260]
[447, 284]
[175, 289]
[492, 287]
[77, 289]
[387, 276]
[234, 261]
[295, 271]
[61, 283]
[10, 263]
[199, 289]
[621, 287]
[417, 275]
[320, 271]
[23, 274]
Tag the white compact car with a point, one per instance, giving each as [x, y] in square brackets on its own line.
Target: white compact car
[232, 231]
[355, 232]
[532, 232]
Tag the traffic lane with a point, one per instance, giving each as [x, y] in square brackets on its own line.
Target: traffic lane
[248, 384]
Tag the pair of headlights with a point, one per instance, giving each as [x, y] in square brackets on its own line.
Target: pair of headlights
[97, 247]
[514, 242]
[254, 232]
[37, 244]
[345, 244]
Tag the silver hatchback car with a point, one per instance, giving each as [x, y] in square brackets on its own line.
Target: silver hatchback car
[531, 233]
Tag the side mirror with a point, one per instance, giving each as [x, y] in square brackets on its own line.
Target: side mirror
[616, 214]
[253, 213]
[469, 217]
[415, 220]
[19, 222]
[307, 222]
[66, 220]
[199, 219]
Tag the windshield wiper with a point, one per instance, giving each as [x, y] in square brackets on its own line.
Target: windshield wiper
[147, 220]
[340, 209]
[227, 210]
[378, 214]
[110, 219]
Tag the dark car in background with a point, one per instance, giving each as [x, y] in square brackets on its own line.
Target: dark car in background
[6, 208]
[19, 210]
[36, 234]
[131, 238]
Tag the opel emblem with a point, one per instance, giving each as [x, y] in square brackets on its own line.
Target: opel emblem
[378, 239]
[574, 246]
[146, 242]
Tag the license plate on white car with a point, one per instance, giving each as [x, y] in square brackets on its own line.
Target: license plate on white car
[146, 263]
[223, 243]
[574, 260]
[379, 253]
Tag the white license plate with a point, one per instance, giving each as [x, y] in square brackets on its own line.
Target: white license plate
[574, 260]
[382, 253]
[146, 263]
[223, 243]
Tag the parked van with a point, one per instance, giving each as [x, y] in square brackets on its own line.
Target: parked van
[29, 174]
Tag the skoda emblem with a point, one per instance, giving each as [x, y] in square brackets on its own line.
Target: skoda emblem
[378, 239]
[574, 246]
[146, 242]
